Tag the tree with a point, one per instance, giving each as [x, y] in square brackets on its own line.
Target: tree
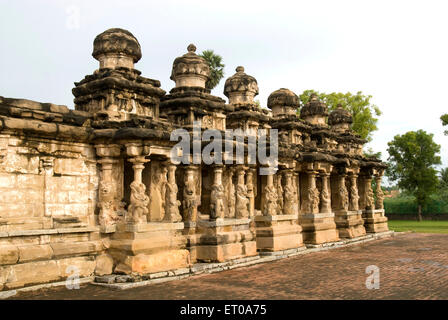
[444, 119]
[216, 68]
[412, 157]
[444, 178]
[364, 113]
[369, 153]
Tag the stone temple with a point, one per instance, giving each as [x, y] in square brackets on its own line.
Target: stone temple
[95, 188]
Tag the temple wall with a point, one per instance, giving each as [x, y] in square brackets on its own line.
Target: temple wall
[48, 195]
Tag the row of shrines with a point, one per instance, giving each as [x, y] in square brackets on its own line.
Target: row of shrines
[95, 187]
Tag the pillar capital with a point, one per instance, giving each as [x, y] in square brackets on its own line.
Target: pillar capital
[108, 150]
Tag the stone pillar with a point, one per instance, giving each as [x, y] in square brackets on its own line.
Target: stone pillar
[311, 202]
[369, 199]
[317, 227]
[108, 217]
[348, 218]
[379, 193]
[222, 239]
[171, 203]
[190, 200]
[47, 171]
[325, 195]
[141, 246]
[217, 195]
[290, 195]
[280, 193]
[242, 202]
[279, 230]
[250, 192]
[231, 196]
[138, 208]
[354, 196]
[374, 219]
[342, 192]
[270, 197]
[296, 184]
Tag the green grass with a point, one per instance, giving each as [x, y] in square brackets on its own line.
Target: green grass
[422, 226]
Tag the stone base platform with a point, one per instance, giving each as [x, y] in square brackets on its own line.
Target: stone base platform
[375, 221]
[123, 282]
[149, 247]
[350, 224]
[225, 239]
[128, 282]
[318, 228]
[277, 233]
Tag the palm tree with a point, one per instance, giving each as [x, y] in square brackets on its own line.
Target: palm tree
[216, 68]
[444, 178]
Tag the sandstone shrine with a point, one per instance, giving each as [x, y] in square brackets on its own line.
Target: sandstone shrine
[94, 187]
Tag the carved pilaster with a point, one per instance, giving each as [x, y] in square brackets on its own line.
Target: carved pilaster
[171, 203]
[250, 191]
[368, 193]
[270, 197]
[242, 202]
[296, 186]
[231, 196]
[290, 195]
[325, 195]
[311, 202]
[46, 169]
[379, 193]
[106, 196]
[343, 193]
[217, 195]
[280, 199]
[138, 208]
[354, 196]
[190, 201]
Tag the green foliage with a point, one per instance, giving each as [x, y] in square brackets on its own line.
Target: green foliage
[364, 113]
[444, 119]
[216, 68]
[408, 205]
[442, 191]
[412, 157]
[444, 178]
[369, 153]
[423, 226]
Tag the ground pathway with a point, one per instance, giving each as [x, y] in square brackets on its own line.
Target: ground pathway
[411, 266]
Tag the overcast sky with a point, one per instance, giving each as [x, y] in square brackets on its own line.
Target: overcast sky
[396, 51]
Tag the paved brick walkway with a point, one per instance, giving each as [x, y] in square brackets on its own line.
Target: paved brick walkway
[412, 266]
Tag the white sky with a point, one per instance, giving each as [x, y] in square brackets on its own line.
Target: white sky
[396, 51]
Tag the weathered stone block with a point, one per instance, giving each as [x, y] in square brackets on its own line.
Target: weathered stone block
[224, 252]
[77, 248]
[104, 264]
[8, 255]
[83, 266]
[32, 181]
[70, 166]
[161, 261]
[35, 252]
[8, 180]
[33, 273]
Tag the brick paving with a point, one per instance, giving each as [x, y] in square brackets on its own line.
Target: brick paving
[412, 266]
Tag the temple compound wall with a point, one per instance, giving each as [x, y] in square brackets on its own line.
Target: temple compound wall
[94, 190]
